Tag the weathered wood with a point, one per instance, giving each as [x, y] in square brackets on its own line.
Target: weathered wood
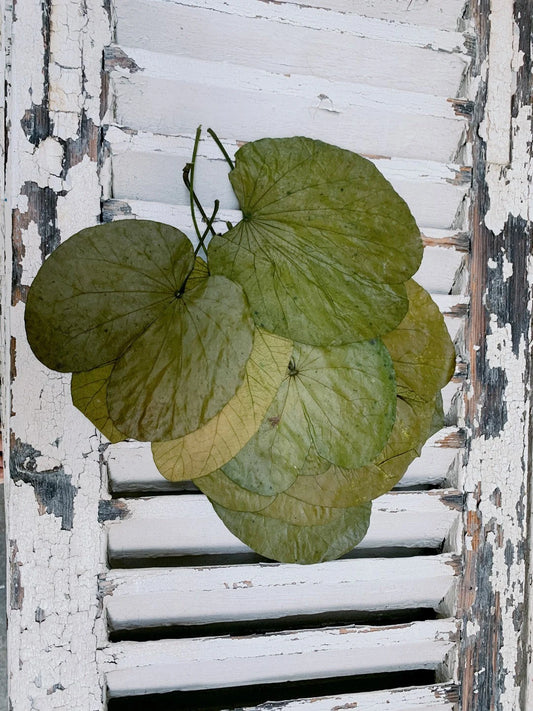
[494, 651]
[282, 38]
[420, 12]
[53, 490]
[208, 595]
[422, 698]
[131, 466]
[187, 525]
[156, 95]
[216, 662]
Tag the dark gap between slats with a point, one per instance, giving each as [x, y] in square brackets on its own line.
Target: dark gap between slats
[234, 699]
[242, 628]
[179, 489]
[116, 562]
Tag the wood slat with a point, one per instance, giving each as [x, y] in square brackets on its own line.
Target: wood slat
[336, 46]
[131, 466]
[175, 526]
[433, 13]
[170, 94]
[434, 192]
[135, 668]
[209, 595]
[436, 697]
[436, 274]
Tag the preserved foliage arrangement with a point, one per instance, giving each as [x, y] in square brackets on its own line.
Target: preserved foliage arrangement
[293, 375]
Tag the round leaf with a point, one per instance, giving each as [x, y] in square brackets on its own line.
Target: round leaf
[221, 489]
[325, 243]
[341, 487]
[183, 369]
[101, 288]
[220, 439]
[290, 543]
[89, 390]
[421, 348]
[340, 401]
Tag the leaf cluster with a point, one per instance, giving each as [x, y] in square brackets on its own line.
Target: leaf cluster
[293, 376]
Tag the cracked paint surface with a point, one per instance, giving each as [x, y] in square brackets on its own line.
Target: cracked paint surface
[57, 548]
[494, 592]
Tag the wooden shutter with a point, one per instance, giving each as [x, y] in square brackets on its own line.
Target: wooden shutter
[124, 586]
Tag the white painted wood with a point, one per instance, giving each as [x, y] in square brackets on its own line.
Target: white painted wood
[420, 698]
[179, 216]
[187, 525]
[336, 46]
[134, 668]
[434, 13]
[131, 466]
[205, 595]
[434, 192]
[438, 269]
[57, 548]
[172, 95]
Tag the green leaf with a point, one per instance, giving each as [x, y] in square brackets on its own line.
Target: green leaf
[120, 292]
[220, 439]
[424, 358]
[89, 390]
[421, 349]
[221, 489]
[340, 401]
[187, 364]
[325, 244]
[101, 288]
[287, 542]
[342, 487]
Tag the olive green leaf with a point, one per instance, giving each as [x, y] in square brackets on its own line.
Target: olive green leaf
[287, 542]
[325, 244]
[342, 487]
[183, 369]
[222, 437]
[421, 348]
[340, 401]
[118, 292]
[220, 488]
[101, 288]
[423, 357]
[89, 391]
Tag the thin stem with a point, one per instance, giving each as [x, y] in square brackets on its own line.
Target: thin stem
[191, 184]
[207, 229]
[224, 152]
[197, 202]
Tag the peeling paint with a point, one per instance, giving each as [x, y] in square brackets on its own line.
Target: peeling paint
[53, 489]
[16, 596]
[57, 549]
[493, 591]
[111, 510]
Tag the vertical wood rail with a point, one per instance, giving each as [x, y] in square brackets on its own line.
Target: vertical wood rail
[493, 659]
[56, 547]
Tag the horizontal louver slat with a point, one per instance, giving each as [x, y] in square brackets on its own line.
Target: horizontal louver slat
[210, 595]
[131, 466]
[171, 94]
[187, 525]
[438, 697]
[301, 40]
[217, 662]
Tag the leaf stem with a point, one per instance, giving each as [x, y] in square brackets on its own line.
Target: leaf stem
[191, 183]
[207, 229]
[224, 152]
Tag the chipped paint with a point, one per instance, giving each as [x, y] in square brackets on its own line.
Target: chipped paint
[56, 543]
[52, 487]
[493, 590]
